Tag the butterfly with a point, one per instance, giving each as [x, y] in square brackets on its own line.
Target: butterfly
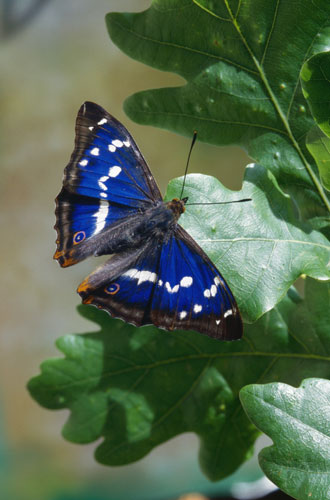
[157, 273]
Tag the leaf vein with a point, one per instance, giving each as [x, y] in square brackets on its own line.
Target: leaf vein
[298, 78]
[270, 31]
[171, 409]
[183, 47]
[295, 419]
[213, 120]
[208, 356]
[202, 7]
[269, 240]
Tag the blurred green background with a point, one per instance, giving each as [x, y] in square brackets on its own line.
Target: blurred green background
[60, 57]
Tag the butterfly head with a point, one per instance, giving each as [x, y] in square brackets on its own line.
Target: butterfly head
[177, 206]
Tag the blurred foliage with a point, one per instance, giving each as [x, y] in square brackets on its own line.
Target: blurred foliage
[13, 19]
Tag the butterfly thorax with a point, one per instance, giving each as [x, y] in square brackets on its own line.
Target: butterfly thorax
[177, 206]
[156, 222]
[159, 219]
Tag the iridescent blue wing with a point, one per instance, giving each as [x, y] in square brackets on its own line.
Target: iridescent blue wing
[106, 163]
[124, 285]
[191, 294]
[106, 181]
[170, 283]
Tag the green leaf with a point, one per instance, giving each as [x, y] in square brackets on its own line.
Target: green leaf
[137, 388]
[242, 72]
[262, 246]
[297, 420]
[315, 78]
[318, 145]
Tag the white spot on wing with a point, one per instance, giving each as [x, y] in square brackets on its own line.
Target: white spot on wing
[101, 215]
[111, 148]
[197, 308]
[217, 280]
[131, 273]
[127, 144]
[95, 151]
[83, 163]
[183, 314]
[147, 276]
[91, 128]
[101, 182]
[114, 171]
[170, 289]
[141, 276]
[160, 282]
[117, 143]
[208, 292]
[104, 195]
[101, 122]
[186, 281]
[218, 321]
[228, 313]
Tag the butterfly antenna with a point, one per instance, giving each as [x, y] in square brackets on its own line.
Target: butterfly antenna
[186, 170]
[221, 202]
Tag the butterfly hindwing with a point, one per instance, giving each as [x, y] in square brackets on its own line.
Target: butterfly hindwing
[193, 295]
[106, 181]
[124, 285]
[170, 283]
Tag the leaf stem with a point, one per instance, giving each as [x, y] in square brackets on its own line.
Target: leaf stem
[261, 72]
[308, 167]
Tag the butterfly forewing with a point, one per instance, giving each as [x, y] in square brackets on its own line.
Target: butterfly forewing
[80, 221]
[106, 163]
[106, 180]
